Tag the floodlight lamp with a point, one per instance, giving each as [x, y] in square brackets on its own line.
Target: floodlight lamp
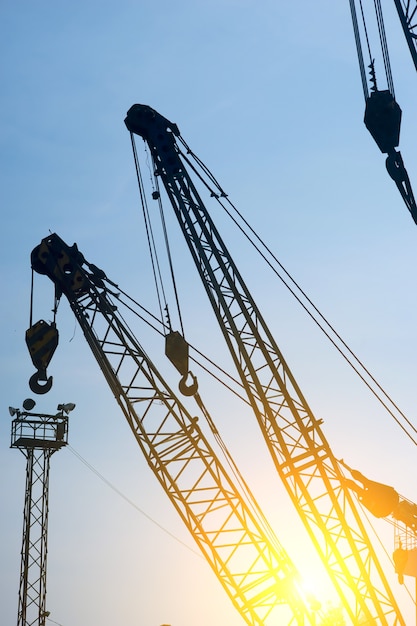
[13, 411]
[70, 406]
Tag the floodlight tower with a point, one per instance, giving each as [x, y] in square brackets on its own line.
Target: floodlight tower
[37, 436]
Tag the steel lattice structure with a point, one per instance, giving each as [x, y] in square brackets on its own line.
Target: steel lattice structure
[37, 436]
[250, 563]
[294, 438]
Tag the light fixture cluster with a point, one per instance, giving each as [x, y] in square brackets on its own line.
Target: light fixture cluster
[29, 404]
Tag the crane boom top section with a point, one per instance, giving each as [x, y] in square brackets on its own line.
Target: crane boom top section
[157, 131]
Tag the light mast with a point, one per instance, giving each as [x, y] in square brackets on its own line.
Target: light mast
[37, 436]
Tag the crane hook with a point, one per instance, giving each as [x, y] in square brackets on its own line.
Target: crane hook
[188, 390]
[34, 382]
[41, 339]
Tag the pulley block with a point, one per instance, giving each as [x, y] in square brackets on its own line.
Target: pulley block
[176, 349]
[42, 340]
[383, 120]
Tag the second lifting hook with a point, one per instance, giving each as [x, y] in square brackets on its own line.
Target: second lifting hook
[41, 340]
[188, 390]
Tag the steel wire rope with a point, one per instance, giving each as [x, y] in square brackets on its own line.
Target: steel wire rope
[161, 333]
[168, 251]
[154, 181]
[219, 441]
[384, 45]
[359, 48]
[195, 360]
[123, 496]
[53, 621]
[128, 500]
[148, 228]
[366, 32]
[196, 350]
[203, 167]
[148, 225]
[250, 498]
[336, 334]
[32, 297]
[308, 301]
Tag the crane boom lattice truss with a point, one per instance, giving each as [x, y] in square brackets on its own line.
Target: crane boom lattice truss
[299, 450]
[254, 569]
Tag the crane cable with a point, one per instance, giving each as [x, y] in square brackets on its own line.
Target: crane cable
[228, 457]
[359, 48]
[291, 284]
[163, 333]
[383, 44]
[163, 329]
[156, 195]
[221, 194]
[127, 499]
[250, 499]
[302, 298]
[245, 489]
[330, 330]
[159, 287]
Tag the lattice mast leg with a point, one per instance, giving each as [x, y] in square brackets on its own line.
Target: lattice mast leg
[32, 588]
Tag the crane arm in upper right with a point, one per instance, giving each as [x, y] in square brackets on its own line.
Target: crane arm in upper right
[407, 12]
[382, 111]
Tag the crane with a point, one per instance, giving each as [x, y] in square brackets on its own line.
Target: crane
[294, 438]
[248, 560]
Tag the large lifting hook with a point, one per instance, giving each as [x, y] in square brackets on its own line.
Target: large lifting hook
[41, 340]
[188, 390]
[176, 349]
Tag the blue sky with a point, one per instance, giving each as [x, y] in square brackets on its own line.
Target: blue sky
[268, 95]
